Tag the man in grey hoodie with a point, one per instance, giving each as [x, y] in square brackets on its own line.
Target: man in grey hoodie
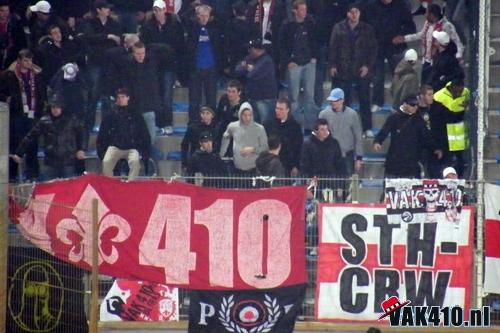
[249, 140]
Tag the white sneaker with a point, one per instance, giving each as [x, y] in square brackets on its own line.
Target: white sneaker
[168, 130]
[375, 108]
[369, 134]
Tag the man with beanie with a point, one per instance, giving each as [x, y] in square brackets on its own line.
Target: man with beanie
[261, 86]
[445, 66]
[409, 135]
[191, 141]
[249, 140]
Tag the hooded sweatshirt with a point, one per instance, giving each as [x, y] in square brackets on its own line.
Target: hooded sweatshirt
[404, 83]
[244, 135]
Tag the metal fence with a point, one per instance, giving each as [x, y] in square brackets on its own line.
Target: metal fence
[319, 190]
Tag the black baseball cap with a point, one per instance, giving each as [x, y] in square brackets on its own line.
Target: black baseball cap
[255, 43]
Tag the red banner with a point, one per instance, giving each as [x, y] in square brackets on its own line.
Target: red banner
[173, 233]
[365, 258]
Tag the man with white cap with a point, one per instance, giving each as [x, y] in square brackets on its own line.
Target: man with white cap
[405, 79]
[164, 29]
[345, 127]
[69, 85]
[450, 173]
[44, 18]
[445, 66]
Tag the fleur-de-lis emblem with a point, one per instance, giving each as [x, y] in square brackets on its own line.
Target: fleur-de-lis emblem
[77, 231]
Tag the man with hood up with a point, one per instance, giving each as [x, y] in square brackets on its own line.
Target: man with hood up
[64, 139]
[249, 140]
[405, 79]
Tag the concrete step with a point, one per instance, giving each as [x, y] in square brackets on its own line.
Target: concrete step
[167, 168]
[494, 24]
[494, 97]
[491, 170]
[370, 195]
[372, 169]
[168, 143]
[495, 44]
[495, 7]
[180, 118]
[493, 121]
[491, 147]
[494, 78]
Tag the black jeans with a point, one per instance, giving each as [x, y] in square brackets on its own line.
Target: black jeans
[202, 80]
[379, 70]
[362, 85]
[19, 127]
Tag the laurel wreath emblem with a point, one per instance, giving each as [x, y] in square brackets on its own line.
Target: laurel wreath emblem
[272, 308]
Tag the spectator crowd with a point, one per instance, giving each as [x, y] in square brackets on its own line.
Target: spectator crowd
[63, 60]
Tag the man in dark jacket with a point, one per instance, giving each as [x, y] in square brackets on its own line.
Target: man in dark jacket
[445, 66]
[389, 18]
[321, 155]
[206, 161]
[204, 59]
[353, 49]
[164, 29]
[409, 135]
[55, 52]
[229, 104]
[269, 165]
[101, 33]
[191, 141]
[268, 162]
[290, 134]
[239, 31]
[268, 16]
[261, 85]
[123, 134]
[12, 37]
[298, 54]
[64, 139]
[141, 78]
[21, 86]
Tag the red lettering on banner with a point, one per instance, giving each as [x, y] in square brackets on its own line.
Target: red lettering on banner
[172, 215]
[218, 219]
[250, 243]
[202, 239]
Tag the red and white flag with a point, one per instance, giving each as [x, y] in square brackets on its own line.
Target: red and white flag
[492, 234]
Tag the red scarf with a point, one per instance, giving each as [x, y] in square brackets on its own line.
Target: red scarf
[31, 82]
[438, 26]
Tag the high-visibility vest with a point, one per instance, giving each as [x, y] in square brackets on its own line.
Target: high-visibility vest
[456, 132]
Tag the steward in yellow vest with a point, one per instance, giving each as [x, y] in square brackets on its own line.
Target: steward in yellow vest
[447, 122]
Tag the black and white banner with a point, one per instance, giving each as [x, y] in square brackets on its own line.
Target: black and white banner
[131, 300]
[424, 200]
[272, 310]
